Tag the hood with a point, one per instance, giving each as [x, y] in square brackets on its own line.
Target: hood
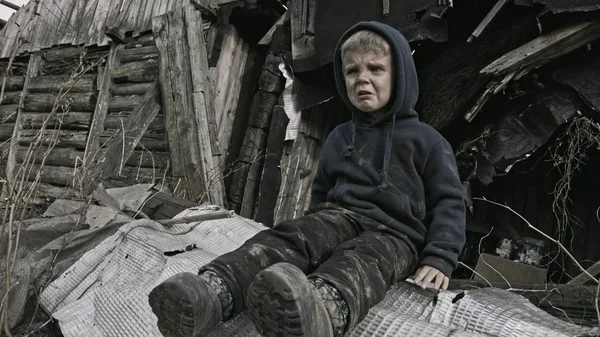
[405, 92]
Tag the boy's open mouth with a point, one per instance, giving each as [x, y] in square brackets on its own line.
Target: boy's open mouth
[363, 94]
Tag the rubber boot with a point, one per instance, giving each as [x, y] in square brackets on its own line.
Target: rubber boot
[284, 303]
[186, 306]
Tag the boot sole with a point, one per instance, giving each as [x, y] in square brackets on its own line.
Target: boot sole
[283, 303]
[175, 302]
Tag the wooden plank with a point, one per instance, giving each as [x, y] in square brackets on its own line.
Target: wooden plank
[46, 102]
[582, 278]
[67, 157]
[545, 48]
[230, 109]
[202, 92]
[66, 121]
[128, 89]
[53, 84]
[138, 54]
[116, 151]
[34, 66]
[141, 71]
[270, 179]
[185, 102]
[299, 162]
[62, 138]
[96, 31]
[13, 83]
[116, 122]
[70, 157]
[101, 108]
[486, 21]
[86, 21]
[152, 141]
[123, 103]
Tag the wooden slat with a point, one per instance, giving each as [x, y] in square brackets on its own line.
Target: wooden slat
[128, 89]
[141, 71]
[46, 102]
[66, 121]
[139, 54]
[55, 84]
[118, 149]
[70, 157]
[101, 108]
[34, 66]
[186, 104]
[116, 122]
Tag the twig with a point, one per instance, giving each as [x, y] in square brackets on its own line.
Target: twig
[545, 235]
[487, 264]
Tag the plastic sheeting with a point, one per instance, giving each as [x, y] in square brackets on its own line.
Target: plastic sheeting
[105, 293]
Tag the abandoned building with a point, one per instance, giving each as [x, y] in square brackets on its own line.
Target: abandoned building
[227, 103]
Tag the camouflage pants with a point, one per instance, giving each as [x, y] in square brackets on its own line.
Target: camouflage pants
[359, 256]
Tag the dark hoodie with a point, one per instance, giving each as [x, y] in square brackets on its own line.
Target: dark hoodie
[396, 170]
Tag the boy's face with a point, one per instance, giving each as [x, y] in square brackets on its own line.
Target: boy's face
[368, 77]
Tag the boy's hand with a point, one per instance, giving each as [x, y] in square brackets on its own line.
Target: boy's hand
[426, 274]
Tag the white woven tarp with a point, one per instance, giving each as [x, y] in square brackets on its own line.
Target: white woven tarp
[106, 292]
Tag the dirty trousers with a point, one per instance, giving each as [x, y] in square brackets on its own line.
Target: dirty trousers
[360, 257]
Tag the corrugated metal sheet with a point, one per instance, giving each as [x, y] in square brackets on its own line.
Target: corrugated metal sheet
[43, 24]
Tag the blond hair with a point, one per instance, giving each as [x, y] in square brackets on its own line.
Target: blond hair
[365, 40]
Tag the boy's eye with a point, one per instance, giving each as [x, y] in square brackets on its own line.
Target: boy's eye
[350, 71]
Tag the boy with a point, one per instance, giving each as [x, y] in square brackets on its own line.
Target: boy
[386, 201]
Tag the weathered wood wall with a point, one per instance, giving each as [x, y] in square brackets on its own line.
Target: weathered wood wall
[47, 23]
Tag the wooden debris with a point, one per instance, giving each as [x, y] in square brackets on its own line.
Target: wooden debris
[186, 97]
[116, 34]
[545, 48]
[582, 278]
[533, 55]
[486, 21]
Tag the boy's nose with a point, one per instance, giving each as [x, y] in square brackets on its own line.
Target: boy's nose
[363, 78]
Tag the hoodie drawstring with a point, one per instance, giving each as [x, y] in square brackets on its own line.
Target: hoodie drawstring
[387, 155]
[348, 150]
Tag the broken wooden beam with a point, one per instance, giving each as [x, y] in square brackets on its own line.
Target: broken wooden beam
[532, 55]
[544, 49]
[188, 105]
